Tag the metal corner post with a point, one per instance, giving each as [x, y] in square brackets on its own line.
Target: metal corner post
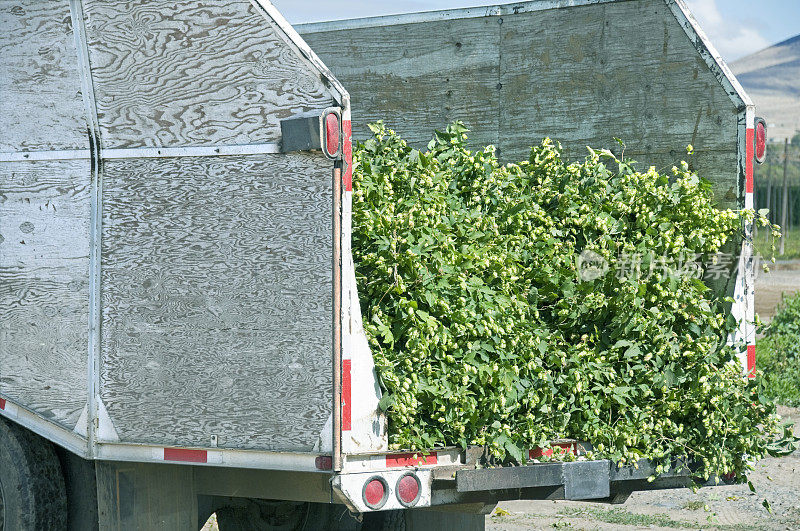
[95, 230]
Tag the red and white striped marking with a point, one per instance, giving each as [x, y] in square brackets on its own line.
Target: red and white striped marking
[9, 407]
[751, 361]
[411, 459]
[347, 391]
[750, 367]
[347, 151]
[380, 462]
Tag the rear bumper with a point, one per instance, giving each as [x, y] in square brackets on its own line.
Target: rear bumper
[598, 480]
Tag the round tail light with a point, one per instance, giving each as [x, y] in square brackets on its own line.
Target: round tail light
[375, 492]
[408, 489]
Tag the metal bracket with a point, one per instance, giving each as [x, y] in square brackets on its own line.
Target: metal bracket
[582, 480]
[587, 480]
[308, 133]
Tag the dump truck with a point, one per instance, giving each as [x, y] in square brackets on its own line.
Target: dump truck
[180, 325]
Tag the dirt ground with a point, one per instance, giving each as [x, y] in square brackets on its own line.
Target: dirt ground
[728, 508]
[783, 277]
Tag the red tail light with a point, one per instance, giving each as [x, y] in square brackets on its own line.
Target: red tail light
[323, 462]
[332, 135]
[408, 489]
[375, 493]
[761, 140]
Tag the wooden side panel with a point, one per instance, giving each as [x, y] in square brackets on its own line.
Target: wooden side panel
[40, 89]
[588, 74]
[194, 73]
[44, 286]
[581, 75]
[418, 77]
[217, 316]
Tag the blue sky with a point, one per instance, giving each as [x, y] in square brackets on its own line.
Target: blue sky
[735, 27]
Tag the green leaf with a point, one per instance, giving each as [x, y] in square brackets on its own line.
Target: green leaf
[386, 402]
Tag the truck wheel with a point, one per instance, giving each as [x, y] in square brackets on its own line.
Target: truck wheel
[32, 492]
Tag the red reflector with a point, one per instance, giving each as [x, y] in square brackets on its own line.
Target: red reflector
[537, 452]
[411, 459]
[751, 361]
[323, 462]
[332, 135]
[184, 454]
[375, 493]
[761, 141]
[2, 403]
[408, 489]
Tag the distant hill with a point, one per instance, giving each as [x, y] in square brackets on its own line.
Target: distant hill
[772, 79]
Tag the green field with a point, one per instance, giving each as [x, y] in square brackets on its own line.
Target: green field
[778, 355]
[792, 245]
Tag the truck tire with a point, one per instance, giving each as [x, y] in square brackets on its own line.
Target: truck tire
[32, 492]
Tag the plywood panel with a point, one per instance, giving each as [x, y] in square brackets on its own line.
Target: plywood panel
[44, 275]
[217, 300]
[582, 75]
[586, 75]
[193, 73]
[40, 89]
[418, 77]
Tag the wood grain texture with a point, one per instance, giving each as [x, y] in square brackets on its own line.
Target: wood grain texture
[586, 75]
[40, 89]
[194, 73]
[418, 77]
[44, 286]
[580, 75]
[217, 300]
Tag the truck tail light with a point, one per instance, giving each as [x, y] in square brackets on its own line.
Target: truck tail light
[760, 140]
[408, 489]
[333, 135]
[323, 462]
[375, 493]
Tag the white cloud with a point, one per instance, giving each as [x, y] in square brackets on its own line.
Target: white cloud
[731, 37]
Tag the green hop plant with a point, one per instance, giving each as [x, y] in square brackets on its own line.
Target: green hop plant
[485, 332]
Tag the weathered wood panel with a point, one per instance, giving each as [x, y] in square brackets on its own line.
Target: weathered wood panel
[217, 300]
[418, 77]
[582, 75]
[44, 286]
[40, 88]
[194, 73]
[588, 74]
